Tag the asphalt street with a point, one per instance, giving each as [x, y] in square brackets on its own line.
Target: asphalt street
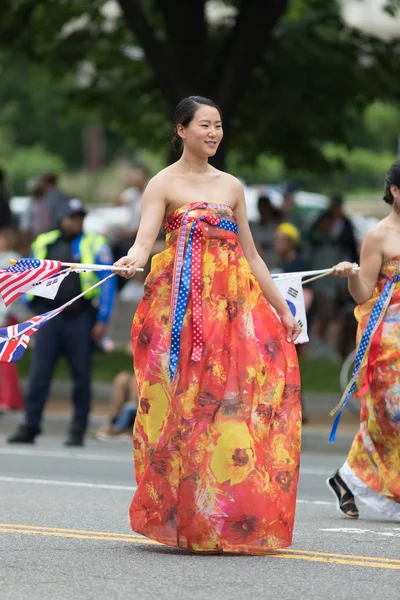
[64, 535]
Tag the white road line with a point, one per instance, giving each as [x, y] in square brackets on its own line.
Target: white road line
[81, 484]
[321, 502]
[110, 458]
[69, 455]
[352, 530]
[104, 486]
[319, 472]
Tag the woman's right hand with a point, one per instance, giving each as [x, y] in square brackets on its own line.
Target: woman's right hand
[345, 269]
[126, 261]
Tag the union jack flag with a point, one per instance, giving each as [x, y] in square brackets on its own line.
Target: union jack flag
[19, 278]
[14, 339]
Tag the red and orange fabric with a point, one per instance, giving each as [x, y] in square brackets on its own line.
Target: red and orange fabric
[217, 446]
[373, 465]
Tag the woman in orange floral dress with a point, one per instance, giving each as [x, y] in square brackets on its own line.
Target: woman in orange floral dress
[371, 472]
[217, 435]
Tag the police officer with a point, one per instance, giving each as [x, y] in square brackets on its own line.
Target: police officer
[74, 332]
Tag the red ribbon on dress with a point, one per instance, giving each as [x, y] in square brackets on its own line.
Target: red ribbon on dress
[372, 356]
[196, 275]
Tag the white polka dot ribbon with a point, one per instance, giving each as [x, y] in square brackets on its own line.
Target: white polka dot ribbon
[188, 274]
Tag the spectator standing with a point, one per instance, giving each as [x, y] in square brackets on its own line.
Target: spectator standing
[73, 332]
[48, 202]
[10, 390]
[264, 230]
[332, 240]
[135, 182]
[290, 259]
[5, 210]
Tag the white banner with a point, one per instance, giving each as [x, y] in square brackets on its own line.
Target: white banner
[292, 290]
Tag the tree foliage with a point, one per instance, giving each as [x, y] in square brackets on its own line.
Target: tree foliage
[289, 76]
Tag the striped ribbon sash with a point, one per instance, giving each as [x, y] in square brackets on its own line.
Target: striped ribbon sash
[369, 344]
[188, 275]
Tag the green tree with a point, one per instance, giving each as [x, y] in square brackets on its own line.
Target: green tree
[289, 76]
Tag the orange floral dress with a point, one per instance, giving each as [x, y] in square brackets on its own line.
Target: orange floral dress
[217, 435]
[372, 469]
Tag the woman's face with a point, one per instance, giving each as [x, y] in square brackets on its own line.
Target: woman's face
[204, 133]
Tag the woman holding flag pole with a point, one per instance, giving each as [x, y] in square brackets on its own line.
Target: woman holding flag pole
[371, 471]
[217, 435]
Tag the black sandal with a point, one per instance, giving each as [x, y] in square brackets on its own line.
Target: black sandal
[345, 500]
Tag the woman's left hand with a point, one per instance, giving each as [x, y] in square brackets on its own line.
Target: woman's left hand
[292, 327]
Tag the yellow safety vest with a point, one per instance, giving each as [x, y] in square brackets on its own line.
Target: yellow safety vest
[89, 246]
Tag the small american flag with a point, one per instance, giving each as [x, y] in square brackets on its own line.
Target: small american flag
[19, 278]
[14, 339]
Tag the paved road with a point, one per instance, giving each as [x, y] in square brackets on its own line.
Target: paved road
[64, 535]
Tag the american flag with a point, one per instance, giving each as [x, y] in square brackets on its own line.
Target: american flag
[14, 339]
[19, 278]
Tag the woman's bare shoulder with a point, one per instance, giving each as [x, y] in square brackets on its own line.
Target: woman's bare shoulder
[161, 179]
[228, 179]
[375, 238]
[379, 232]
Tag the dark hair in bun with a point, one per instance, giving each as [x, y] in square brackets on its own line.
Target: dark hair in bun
[392, 178]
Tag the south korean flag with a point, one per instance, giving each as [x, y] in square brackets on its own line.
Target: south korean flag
[292, 290]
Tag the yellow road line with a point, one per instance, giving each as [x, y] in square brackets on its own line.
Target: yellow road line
[109, 538]
[339, 561]
[128, 535]
[374, 558]
[307, 555]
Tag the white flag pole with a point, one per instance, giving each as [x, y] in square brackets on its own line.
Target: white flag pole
[96, 267]
[14, 261]
[329, 272]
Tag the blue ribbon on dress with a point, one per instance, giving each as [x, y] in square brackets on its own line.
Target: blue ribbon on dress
[375, 318]
[184, 289]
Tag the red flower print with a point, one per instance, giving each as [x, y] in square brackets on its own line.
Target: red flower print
[289, 390]
[208, 405]
[144, 338]
[240, 457]
[145, 405]
[272, 349]
[264, 412]
[232, 309]
[243, 528]
[284, 478]
[160, 462]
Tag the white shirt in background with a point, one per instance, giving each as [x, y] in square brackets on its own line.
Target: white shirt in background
[133, 200]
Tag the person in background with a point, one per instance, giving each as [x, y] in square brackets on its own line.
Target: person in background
[263, 231]
[48, 202]
[135, 182]
[331, 239]
[287, 245]
[342, 230]
[10, 390]
[5, 210]
[123, 407]
[33, 220]
[74, 332]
